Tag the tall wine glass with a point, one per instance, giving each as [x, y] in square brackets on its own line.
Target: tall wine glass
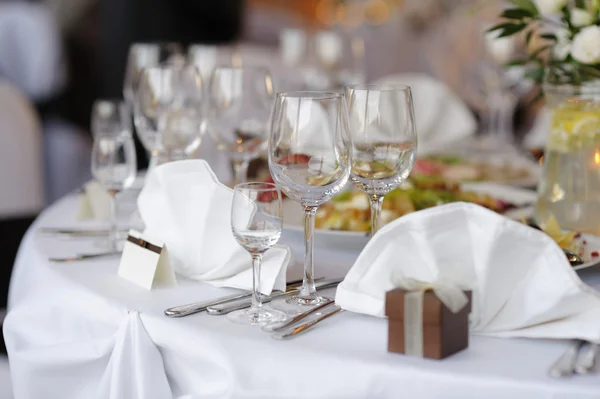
[141, 56]
[110, 117]
[114, 166]
[384, 140]
[309, 160]
[240, 105]
[169, 109]
[256, 222]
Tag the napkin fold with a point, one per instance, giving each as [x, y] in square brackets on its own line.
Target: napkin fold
[441, 116]
[523, 285]
[94, 202]
[184, 205]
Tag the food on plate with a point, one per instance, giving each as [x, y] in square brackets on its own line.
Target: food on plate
[455, 168]
[351, 211]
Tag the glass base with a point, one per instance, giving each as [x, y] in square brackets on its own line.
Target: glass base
[255, 317]
[296, 305]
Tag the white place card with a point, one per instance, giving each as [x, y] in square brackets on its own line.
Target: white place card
[145, 262]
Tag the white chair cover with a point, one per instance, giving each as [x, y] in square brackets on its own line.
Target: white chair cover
[21, 173]
[31, 50]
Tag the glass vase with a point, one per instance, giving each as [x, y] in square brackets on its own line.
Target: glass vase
[569, 188]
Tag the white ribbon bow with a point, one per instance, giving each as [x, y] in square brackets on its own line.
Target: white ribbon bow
[447, 292]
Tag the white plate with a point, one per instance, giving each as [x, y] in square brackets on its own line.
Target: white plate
[351, 240]
[293, 216]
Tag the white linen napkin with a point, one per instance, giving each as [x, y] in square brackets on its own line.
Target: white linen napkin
[441, 116]
[184, 205]
[523, 285]
[94, 202]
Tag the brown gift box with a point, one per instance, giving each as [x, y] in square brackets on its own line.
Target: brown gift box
[444, 332]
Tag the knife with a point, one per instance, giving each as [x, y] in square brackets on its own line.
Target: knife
[84, 257]
[222, 309]
[185, 310]
[78, 232]
[304, 327]
[274, 327]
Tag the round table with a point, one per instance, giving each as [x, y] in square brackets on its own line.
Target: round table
[77, 330]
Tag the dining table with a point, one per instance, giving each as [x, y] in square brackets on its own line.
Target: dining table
[78, 330]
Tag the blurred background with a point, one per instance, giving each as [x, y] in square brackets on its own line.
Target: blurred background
[58, 56]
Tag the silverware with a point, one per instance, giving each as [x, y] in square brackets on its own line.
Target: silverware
[192, 308]
[84, 257]
[565, 365]
[574, 259]
[305, 327]
[78, 232]
[273, 327]
[218, 310]
[587, 359]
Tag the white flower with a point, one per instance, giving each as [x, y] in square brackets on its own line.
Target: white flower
[563, 45]
[501, 49]
[550, 6]
[586, 45]
[580, 18]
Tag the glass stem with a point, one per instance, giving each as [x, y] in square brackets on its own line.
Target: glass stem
[256, 297]
[307, 292]
[376, 203]
[154, 160]
[241, 171]
[112, 234]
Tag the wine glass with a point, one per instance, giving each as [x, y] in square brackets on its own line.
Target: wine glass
[240, 105]
[114, 166]
[110, 117]
[384, 140]
[208, 57]
[309, 160]
[141, 56]
[169, 110]
[256, 222]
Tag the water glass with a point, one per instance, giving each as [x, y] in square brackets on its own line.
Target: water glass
[384, 140]
[110, 117]
[309, 160]
[256, 223]
[169, 110]
[114, 166]
[240, 105]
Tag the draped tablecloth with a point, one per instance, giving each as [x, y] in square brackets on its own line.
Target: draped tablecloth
[77, 330]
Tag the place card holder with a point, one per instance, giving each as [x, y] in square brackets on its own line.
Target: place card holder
[145, 262]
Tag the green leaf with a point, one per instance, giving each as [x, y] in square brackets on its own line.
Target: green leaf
[516, 13]
[528, 37]
[580, 4]
[536, 74]
[517, 63]
[527, 5]
[549, 36]
[511, 29]
[499, 26]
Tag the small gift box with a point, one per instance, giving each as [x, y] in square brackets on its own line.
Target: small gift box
[428, 320]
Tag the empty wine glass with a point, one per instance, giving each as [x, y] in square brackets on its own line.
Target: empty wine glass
[209, 57]
[110, 117]
[240, 105]
[309, 160]
[384, 140]
[141, 56]
[256, 222]
[169, 110]
[114, 166]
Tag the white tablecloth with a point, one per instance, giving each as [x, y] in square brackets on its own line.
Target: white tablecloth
[78, 331]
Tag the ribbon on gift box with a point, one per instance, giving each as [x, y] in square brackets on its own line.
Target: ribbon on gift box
[451, 295]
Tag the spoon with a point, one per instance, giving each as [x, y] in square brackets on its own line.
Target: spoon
[574, 259]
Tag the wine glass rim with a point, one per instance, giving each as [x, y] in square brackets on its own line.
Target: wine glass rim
[315, 95]
[256, 186]
[378, 87]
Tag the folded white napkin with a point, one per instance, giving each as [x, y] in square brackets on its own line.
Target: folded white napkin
[184, 205]
[523, 285]
[94, 202]
[441, 116]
